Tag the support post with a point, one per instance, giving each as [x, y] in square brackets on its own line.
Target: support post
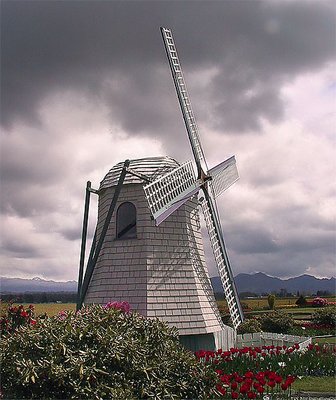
[83, 245]
[91, 265]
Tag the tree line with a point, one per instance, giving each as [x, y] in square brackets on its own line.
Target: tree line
[39, 297]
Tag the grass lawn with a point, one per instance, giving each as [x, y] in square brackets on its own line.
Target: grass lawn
[315, 384]
[53, 308]
[323, 340]
[49, 308]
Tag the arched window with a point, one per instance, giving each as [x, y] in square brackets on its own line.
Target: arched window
[126, 221]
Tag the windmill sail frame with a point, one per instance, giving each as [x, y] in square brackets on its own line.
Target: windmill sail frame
[212, 182]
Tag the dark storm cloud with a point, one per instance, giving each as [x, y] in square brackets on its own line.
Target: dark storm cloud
[253, 241]
[254, 46]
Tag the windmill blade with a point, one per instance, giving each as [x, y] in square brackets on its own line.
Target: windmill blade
[183, 97]
[223, 175]
[168, 193]
[222, 260]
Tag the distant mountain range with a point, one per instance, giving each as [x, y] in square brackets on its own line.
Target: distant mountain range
[19, 285]
[255, 283]
[261, 283]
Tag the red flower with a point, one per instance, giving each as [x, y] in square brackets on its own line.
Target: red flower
[271, 384]
[24, 314]
[284, 386]
[225, 379]
[221, 390]
[234, 385]
[251, 395]
[234, 395]
[243, 389]
[289, 380]
[260, 389]
[278, 379]
[33, 322]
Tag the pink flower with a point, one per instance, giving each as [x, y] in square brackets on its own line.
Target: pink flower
[119, 305]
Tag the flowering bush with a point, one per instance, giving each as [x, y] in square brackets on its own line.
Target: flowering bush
[319, 302]
[99, 353]
[15, 316]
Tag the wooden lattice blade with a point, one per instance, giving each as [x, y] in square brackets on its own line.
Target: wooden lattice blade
[223, 175]
[169, 192]
[183, 97]
[222, 261]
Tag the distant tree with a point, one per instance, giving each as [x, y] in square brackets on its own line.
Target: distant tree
[301, 301]
[323, 293]
[283, 293]
[271, 301]
[39, 297]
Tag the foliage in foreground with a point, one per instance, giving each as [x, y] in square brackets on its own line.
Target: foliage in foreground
[253, 372]
[325, 316]
[100, 353]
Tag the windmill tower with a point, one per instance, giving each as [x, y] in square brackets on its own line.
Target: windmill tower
[147, 249]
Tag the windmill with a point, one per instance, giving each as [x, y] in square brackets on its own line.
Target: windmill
[149, 252]
[165, 196]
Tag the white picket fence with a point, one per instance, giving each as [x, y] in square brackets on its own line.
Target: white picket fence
[269, 338]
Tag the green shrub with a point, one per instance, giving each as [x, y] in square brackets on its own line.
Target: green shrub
[271, 301]
[100, 353]
[301, 301]
[276, 321]
[251, 325]
[325, 316]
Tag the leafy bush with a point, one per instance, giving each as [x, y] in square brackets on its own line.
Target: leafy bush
[271, 301]
[301, 301]
[100, 353]
[277, 321]
[325, 316]
[251, 325]
[244, 305]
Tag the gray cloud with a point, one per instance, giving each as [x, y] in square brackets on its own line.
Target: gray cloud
[85, 85]
[255, 48]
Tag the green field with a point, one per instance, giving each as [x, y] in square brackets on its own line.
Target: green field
[325, 384]
[261, 303]
[255, 306]
[48, 308]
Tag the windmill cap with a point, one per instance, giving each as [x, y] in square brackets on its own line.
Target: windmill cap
[151, 167]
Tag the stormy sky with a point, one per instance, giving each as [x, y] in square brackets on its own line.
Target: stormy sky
[86, 84]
